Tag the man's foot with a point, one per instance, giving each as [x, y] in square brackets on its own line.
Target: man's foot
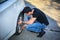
[41, 33]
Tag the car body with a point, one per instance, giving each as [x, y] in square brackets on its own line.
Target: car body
[9, 12]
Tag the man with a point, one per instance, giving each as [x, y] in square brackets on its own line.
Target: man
[37, 22]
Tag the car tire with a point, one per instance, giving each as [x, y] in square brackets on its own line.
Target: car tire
[19, 27]
[18, 30]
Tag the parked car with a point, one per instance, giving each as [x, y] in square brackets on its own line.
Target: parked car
[9, 16]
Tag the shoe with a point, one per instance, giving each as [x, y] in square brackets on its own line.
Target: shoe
[41, 33]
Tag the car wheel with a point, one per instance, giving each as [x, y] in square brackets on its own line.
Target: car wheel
[19, 27]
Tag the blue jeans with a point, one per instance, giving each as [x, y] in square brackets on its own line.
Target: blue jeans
[35, 27]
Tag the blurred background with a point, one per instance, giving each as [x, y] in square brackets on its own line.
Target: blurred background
[50, 7]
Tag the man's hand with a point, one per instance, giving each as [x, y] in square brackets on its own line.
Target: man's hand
[24, 26]
[20, 22]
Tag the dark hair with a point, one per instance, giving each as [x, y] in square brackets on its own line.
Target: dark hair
[26, 10]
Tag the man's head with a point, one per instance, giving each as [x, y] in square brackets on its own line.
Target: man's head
[28, 10]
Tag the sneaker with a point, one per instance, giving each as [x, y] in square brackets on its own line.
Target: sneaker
[41, 33]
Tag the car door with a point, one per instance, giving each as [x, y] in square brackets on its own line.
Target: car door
[9, 12]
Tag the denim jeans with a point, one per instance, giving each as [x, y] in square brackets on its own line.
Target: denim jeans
[35, 27]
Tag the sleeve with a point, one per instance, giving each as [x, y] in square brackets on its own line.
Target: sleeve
[35, 15]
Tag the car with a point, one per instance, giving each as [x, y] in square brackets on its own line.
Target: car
[9, 16]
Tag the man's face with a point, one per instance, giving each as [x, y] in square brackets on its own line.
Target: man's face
[29, 13]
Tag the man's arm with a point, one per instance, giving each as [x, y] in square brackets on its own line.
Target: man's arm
[30, 21]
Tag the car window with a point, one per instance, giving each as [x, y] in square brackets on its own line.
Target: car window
[5, 4]
[2, 1]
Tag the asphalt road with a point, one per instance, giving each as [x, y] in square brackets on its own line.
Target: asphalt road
[52, 31]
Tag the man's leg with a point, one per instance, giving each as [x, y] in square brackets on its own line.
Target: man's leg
[35, 27]
[41, 33]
